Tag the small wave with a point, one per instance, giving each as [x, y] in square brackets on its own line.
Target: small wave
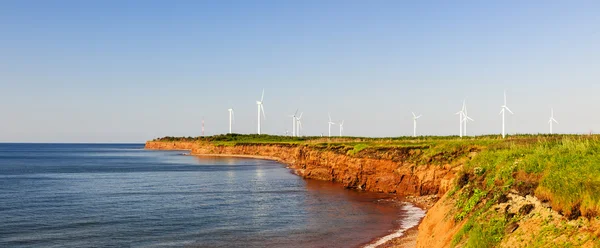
[412, 219]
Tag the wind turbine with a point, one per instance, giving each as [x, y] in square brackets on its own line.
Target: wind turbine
[294, 123]
[466, 118]
[415, 117]
[231, 118]
[261, 108]
[341, 128]
[299, 125]
[552, 119]
[502, 112]
[461, 119]
[330, 123]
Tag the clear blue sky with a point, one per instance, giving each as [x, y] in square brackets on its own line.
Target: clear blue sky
[128, 71]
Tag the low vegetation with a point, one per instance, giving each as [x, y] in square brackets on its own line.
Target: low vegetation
[563, 171]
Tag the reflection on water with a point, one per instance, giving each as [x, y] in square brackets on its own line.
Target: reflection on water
[90, 195]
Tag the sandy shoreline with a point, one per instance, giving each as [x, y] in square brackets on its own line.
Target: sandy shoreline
[407, 237]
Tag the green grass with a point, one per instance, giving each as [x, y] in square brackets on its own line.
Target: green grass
[357, 149]
[484, 229]
[564, 171]
[467, 204]
[486, 233]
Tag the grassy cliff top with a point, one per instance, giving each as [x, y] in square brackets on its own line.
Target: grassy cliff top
[233, 139]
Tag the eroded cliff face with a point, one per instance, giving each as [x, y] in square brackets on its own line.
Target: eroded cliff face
[387, 171]
[438, 227]
[375, 172]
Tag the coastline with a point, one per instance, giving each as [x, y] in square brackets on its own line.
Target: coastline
[452, 171]
[392, 171]
[404, 236]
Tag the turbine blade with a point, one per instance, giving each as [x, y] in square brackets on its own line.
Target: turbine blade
[414, 116]
[418, 117]
[509, 110]
[262, 97]
[263, 111]
[296, 112]
[329, 114]
[469, 118]
[501, 111]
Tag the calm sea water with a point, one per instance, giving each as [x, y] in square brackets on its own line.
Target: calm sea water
[82, 195]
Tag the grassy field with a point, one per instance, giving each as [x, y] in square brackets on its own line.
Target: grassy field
[563, 170]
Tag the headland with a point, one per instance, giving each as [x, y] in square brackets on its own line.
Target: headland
[526, 190]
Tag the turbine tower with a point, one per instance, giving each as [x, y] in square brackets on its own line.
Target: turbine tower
[231, 118]
[502, 112]
[330, 123]
[261, 109]
[415, 117]
[294, 123]
[466, 118]
[299, 124]
[461, 119]
[341, 128]
[552, 119]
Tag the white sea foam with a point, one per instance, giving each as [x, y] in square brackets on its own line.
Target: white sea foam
[412, 217]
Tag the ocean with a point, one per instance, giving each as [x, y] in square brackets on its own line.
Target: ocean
[120, 195]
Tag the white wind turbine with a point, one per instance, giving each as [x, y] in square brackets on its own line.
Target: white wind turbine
[552, 119]
[231, 118]
[461, 119]
[261, 109]
[299, 125]
[466, 118]
[330, 123]
[341, 128]
[415, 117]
[502, 112]
[294, 123]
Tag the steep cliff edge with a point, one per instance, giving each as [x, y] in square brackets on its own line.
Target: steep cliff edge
[369, 170]
[391, 170]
